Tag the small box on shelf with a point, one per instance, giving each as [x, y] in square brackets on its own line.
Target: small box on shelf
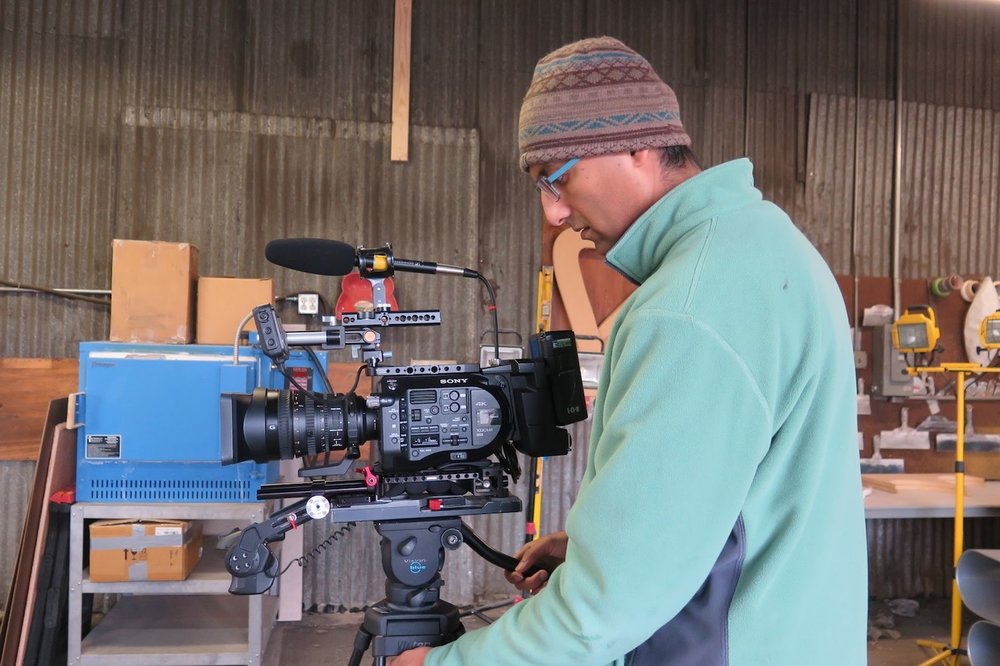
[139, 550]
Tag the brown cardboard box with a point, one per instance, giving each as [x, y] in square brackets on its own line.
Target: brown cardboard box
[130, 550]
[153, 291]
[223, 302]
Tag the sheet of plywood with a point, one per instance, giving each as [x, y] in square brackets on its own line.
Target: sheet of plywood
[10, 629]
[894, 483]
[61, 476]
[26, 387]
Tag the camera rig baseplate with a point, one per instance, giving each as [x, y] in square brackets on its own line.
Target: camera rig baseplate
[435, 497]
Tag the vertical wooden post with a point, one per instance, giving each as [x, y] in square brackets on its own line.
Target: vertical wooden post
[399, 144]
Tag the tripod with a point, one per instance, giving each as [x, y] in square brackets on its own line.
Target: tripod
[415, 531]
[413, 614]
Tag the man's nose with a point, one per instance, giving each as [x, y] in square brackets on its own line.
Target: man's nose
[556, 212]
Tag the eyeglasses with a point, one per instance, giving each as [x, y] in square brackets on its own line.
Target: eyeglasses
[547, 184]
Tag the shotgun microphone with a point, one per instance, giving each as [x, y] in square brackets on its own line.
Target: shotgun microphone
[318, 256]
[322, 256]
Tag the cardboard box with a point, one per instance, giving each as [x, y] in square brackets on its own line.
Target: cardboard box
[223, 302]
[131, 550]
[153, 291]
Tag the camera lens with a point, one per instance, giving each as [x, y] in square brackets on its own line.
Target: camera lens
[279, 425]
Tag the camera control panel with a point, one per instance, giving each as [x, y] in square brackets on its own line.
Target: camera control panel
[448, 424]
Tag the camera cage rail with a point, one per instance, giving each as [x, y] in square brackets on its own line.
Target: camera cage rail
[356, 329]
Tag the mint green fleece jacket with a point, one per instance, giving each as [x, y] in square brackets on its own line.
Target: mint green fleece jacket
[726, 403]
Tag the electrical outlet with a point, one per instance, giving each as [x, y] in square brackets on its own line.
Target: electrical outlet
[860, 359]
[308, 304]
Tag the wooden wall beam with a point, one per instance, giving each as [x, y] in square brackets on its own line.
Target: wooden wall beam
[399, 144]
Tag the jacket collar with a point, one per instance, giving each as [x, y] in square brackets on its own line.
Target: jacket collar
[643, 246]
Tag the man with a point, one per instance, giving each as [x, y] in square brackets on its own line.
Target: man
[720, 517]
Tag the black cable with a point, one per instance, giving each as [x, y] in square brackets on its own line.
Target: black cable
[318, 398]
[493, 309]
[321, 370]
[975, 377]
[314, 553]
[357, 379]
[480, 611]
[507, 456]
[61, 294]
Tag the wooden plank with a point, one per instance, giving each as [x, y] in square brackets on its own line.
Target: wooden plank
[400, 140]
[894, 483]
[26, 387]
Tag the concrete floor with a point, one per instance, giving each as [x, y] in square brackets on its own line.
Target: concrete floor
[328, 638]
[932, 621]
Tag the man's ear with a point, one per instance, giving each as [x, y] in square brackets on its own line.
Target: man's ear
[642, 157]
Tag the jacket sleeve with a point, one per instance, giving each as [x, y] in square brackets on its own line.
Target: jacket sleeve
[680, 431]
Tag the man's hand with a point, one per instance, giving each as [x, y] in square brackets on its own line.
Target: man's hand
[414, 657]
[548, 552]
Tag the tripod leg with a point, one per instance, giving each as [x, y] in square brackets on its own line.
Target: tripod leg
[362, 640]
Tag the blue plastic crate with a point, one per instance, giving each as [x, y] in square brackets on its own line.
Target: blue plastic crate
[151, 422]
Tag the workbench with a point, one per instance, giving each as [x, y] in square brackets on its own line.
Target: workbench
[981, 501]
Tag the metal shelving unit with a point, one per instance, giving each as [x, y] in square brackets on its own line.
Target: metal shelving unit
[191, 622]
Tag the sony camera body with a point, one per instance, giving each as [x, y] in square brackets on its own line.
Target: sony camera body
[421, 418]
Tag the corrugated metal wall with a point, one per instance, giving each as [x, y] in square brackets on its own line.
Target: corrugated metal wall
[59, 106]
[230, 123]
[914, 557]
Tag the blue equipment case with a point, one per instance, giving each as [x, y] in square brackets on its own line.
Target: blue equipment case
[149, 420]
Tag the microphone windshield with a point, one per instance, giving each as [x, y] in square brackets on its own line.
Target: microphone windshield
[319, 256]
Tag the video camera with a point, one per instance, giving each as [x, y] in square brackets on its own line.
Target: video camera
[421, 418]
[445, 436]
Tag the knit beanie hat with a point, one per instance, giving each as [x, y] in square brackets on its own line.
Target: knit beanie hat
[596, 97]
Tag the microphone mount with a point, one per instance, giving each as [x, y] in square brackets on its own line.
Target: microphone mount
[375, 262]
[381, 262]
[329, 257]
[356, 329]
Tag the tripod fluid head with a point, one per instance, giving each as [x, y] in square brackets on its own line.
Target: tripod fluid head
[413, 614]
